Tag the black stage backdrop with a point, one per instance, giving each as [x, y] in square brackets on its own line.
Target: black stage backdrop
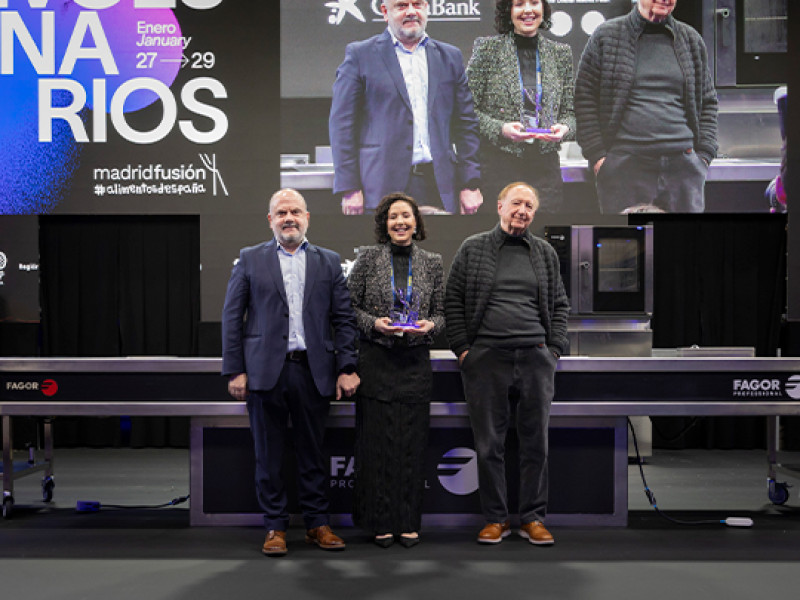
[719, 281]
[120, 286]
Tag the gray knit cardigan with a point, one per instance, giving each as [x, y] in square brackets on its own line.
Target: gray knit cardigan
[606, 74]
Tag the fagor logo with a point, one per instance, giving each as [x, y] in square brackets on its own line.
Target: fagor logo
[459, 473]
[793, 387]
[438, 10]
[49, 387]
[342, 470]
[757, 388]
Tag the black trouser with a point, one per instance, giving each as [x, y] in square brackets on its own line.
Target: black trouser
[422, 186]
[671, 182]
[295, 396]
[490, 375]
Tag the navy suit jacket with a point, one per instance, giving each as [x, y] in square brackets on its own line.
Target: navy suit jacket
[255, 318]
[371, 123]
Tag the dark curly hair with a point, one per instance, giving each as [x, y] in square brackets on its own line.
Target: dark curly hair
[502, 16]
[382, 217]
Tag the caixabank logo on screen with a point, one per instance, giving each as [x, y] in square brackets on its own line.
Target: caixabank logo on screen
[767, 387]
[46, 387]
[370, 10]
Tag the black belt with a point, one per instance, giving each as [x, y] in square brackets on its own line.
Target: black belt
[422, 169]
[297, 356]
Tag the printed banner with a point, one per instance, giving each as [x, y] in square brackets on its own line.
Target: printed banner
[128, 106]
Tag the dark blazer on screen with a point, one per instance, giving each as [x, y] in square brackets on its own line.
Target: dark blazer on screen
[371, 123]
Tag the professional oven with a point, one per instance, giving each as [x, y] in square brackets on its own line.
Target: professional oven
[747, 41]
[608, 275]
[606, 270]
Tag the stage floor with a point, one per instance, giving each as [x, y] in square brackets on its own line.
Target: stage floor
[53, 552]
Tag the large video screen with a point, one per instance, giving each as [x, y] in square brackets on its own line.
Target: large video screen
[314, 37]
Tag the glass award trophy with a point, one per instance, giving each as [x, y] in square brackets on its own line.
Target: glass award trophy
[406, 315]
[530, 120]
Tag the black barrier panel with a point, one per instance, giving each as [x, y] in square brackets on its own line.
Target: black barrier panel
[596, 386]
[581, 471]
[229, 471]
[694, 386]
[114, 387]
[447, 387]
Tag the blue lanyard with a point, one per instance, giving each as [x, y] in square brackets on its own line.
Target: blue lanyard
[408, 293]
[537, 101]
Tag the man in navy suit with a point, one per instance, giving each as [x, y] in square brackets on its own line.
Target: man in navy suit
[288, 345]
[400, 105]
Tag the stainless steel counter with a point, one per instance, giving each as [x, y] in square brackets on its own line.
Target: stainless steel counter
[585, 386]
[442, 360]
[320, 176]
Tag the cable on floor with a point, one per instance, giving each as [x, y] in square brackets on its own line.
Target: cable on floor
[94, 506]
[651, 497]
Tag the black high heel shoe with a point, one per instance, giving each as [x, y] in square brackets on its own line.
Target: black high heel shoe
[383, 542]
[408, 542]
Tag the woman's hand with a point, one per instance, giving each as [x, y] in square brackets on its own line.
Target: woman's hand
[557, 133]
[516, 132]
[423, 327]
[383, 325]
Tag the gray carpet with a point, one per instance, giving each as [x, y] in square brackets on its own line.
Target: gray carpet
[52, 552]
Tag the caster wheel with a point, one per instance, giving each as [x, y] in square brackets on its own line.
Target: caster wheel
[47, 488]
[8, 506]
[778, 492]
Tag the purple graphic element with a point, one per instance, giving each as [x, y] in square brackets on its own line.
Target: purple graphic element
[36, 176]
[121, 24]
[33, 176]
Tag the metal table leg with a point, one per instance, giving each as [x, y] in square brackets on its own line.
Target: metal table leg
[8, 468]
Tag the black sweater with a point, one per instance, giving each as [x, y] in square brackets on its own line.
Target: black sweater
[472, 277]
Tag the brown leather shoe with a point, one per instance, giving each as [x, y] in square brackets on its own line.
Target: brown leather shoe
[275, 543]
[323, 537]
[493, 533]
[536, 533]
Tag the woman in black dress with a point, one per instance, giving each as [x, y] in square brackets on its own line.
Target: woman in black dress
[393, 401]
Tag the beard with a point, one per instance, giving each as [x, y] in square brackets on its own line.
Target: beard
[288, 236]
[411, 30]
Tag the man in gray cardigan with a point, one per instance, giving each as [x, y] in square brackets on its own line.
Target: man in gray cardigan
[506, 314]
[646, 111]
